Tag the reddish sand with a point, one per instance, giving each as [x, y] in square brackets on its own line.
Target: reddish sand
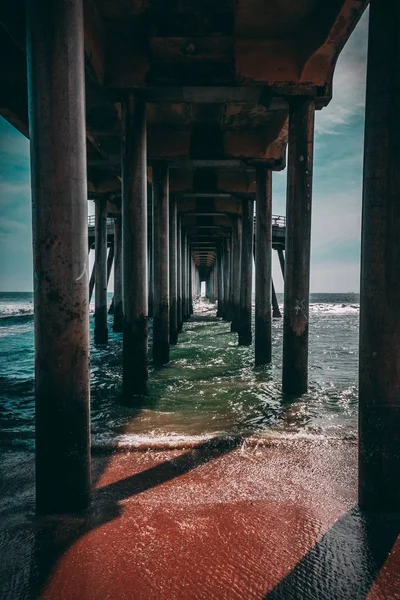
[274, 522]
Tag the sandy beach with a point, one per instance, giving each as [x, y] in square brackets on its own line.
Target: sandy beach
[226, 520]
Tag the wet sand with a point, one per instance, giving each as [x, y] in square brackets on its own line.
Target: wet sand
[227, 520]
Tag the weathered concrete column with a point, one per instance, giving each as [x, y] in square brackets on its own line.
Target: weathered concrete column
[236, 260]
[232, 276]
[281, 261]
[220, 282]
[110, 260]
[179, 275]
[298, 235]
[92, 279]
[150, 246]
[246, 271]
[187, 279]
[183, 277]
[379, 379]
[173, 273]
[263, 259]
[161, 265]
[118, 306]
[185, 309]
[227, 280]
[100, 257]
[276, 313]
[56, 87]
[134, 225]
[191, 278]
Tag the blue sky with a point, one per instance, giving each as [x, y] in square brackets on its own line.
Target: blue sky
[337, 188]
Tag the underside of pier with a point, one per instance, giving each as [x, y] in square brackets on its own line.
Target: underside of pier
[173, 116]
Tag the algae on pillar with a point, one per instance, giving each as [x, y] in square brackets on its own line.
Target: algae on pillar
[134, 224]
[244, 319]
[56, 87]
[263, 258]
[379, 377]
[161, 265]
[298, 238]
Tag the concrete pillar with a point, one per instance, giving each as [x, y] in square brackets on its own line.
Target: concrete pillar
[150, 246]
[220, 282]
[56, 88]
[263, 259]
[236, 260]
[161, 265]
[179, 274]
[276, 313]
[118, 306]
[191, 282]
[282, 261]
[227, 280]
[244, 321]
[187, 270]
[379, 378]
[110, 260]
[183, 263]
[187, 279]
[232, 277]
[92, 279]
[185, 311]
[134, 248]
[100, 257]
[173, 272]
[298, 235]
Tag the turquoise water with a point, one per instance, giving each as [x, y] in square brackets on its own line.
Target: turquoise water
[210, 386]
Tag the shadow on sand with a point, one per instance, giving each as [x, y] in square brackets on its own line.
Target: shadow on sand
[342, 565]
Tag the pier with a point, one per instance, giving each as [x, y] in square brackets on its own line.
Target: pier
[173, 118]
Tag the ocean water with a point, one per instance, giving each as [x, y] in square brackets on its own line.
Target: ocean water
[209, 388]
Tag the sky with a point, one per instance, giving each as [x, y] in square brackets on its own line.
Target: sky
[337, 187]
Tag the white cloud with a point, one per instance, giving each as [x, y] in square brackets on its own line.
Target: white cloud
[348, 83]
